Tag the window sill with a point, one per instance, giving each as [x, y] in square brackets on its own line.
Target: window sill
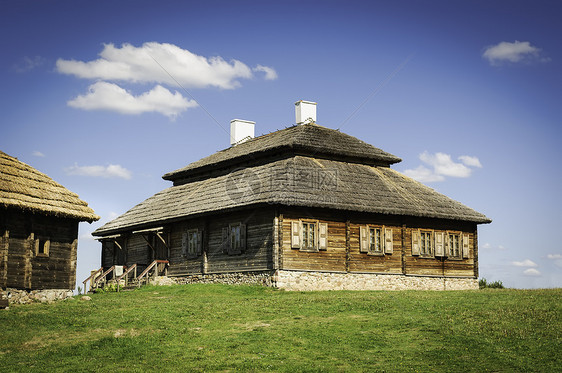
[375, 254]
[309, 250]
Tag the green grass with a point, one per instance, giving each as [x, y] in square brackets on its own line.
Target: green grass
[245, 328]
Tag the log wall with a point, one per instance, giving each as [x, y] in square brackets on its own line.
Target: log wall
[343, 252]
[21, 266]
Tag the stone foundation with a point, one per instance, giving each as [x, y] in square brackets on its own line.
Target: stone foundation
[16, 296]
[265, 278]
[305, 281]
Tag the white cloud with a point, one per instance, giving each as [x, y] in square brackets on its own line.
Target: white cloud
[531, 272]
[270, 73]
[470, 161]
[501, 247]
[525, 263]
[557, 258]
[113, 170]
[29, 63]
[442, 165]
[512, 52]
[486, 246]
[37, 153]
[424, 175]
[109, 96]
[157, 63]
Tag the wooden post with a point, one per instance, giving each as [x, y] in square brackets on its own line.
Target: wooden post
[403, 255]
[347, 244]
[275, 241]
[280, 241]
[475, 248]
[205, 243]
[4, 249]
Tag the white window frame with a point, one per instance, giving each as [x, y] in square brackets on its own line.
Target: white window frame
[301, 235]
[429, 237]
[368, 240]
[451, 245]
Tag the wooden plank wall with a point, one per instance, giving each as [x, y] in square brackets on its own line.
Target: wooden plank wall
[137, 251]
[259, 242]
[343, 254]
[181, 264]
[257, 256]
[21, 267]
[332, 259]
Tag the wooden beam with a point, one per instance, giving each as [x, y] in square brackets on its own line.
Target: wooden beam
[108, 237]
[149, 230]
[148, 242]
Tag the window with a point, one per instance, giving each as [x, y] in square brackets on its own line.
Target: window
[426, 247]
[42, 246]
[375, 244]
[192, 243]
[234, 239]
[309, 235]
[375, 240]
[454, 245]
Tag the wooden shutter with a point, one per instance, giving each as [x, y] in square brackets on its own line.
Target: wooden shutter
[388, 242]
[225, 240]
[439, 244]
[415, 242]
[447, 245]
[322, 236]
[242, 237]
[199, 242]
[363, 239]
[295, 235]
[184, 237]
[465, 246]
[46, 247]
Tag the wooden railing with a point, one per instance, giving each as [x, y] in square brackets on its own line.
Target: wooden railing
[91, 278]
[158, 266]
[125, 274]
[103, 277]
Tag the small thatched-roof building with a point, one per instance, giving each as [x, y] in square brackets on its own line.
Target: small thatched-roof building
[308, 206]
[39, 228]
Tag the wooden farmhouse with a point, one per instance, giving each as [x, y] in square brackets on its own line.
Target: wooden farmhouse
[306, 207]
[38, 228]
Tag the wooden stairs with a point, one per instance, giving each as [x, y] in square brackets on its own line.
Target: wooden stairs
[123, 277]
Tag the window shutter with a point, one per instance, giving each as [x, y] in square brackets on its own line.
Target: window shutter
[363, 239]
[295, 235]
[242, 237]
[225, 240]
[323, 236]
[439, 244]
[447, 245]
[415, 242]
[46, 247]
[388, 242]
[199, 242]
[184, 243]
[465, 245]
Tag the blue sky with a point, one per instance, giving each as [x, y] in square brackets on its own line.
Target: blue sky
[105, 97]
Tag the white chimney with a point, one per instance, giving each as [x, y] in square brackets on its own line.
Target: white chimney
[305, 111]
[241, 130]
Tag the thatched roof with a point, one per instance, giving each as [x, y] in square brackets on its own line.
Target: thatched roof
[297, 181]
[312, 139]
[23, 187]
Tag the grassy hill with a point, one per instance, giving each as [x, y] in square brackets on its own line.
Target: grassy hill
[244, 328]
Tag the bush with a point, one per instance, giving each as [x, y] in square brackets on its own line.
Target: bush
[483, 284]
